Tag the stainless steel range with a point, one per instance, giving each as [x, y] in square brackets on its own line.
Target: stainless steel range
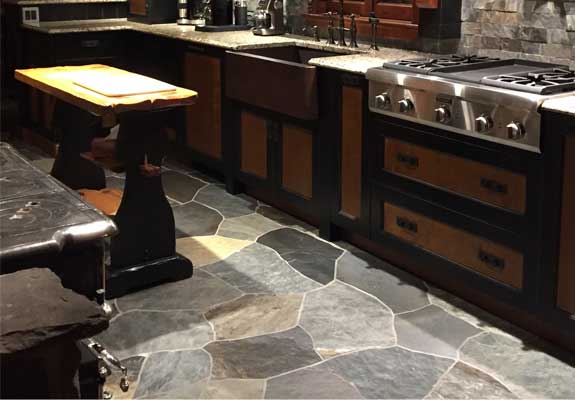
[488, 98]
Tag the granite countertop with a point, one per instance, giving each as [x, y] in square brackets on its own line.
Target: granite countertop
[89, 25]
[42, 2]
[564, 105]
[351, 60]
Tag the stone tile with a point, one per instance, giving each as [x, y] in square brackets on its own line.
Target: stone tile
[248, 227]
[258, 269]
[114, 182]
[341, 319]
[139, 332]
[310, 383]
[176, 375]
[526, 371]
[253, 315]
[205, 250]
[433, 330]
[234, 389]
[229, 205]
[44, 164]
[474, 315]
[180, 187]
[199, 293]
[392, 373]
[194, 219]
[397, 289]
[112, 385]
[283, 218]
[310, 256]
[262, 356]
[466, 382]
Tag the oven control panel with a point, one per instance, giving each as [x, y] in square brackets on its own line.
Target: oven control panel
[502, 122]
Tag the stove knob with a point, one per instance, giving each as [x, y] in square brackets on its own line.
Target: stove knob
[442, 114]
[483, 123]
[405, 106]
[383, 101]
[515, 130]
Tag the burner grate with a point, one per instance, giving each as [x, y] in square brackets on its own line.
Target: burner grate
[432, 64]
[548, 81]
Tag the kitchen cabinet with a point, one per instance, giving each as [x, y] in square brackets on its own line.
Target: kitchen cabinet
[566, 263]
[202, 73]
[344, 124]
[278, 158]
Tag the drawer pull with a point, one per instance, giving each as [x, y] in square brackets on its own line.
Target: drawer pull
[90, 43]
[491, 260]
[493, 186]
[406, 224]
[408, 160]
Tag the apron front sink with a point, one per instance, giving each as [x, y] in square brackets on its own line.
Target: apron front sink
[275, 78]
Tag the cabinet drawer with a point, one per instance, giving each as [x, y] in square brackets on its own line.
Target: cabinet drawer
[488, 258]
[87, 46]
[486, 183]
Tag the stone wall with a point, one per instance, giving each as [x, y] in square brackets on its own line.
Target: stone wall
[539, 30]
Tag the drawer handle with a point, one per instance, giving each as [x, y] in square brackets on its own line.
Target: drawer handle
[491, 260]
[90, 43]
[406, 224]
[493, 186]
[410, 161]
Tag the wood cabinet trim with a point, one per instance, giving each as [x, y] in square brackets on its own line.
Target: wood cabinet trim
[455, 244]
[351, 151]
[479, 181]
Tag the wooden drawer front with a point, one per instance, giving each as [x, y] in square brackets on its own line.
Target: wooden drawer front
[297, 161]
[491, 259]
[254, 145]
[473, 179]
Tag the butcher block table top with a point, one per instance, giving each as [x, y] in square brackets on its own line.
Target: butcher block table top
[105, 90]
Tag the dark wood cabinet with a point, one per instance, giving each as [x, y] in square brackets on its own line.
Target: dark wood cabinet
[202, 73]
[566, 267]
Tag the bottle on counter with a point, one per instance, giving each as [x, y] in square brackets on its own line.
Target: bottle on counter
[241, 12]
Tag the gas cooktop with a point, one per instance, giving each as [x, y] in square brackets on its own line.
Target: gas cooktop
[487, 98]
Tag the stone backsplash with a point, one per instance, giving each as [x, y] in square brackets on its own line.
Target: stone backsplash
[539, 30]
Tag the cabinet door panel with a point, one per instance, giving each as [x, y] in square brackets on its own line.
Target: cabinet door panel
[351, 153]
[297, 161]
[254, 145]
[203, 119]
[566, 273]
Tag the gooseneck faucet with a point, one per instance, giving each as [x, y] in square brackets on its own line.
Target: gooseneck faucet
[341, 28]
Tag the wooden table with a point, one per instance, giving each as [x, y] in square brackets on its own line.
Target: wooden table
[143, 253]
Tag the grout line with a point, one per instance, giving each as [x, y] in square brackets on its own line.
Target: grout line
[415, 309]
[367, 294]
[437, 383]
[426, 353]
[492, 376]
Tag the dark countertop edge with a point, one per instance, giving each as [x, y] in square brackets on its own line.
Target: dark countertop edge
[51, 2]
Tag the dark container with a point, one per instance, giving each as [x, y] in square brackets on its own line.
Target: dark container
[222, 12]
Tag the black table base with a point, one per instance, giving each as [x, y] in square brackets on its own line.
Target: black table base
[143, 253]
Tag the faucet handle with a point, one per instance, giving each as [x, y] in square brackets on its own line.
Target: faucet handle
[315, 31]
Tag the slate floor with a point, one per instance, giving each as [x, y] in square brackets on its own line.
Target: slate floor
[274, 312]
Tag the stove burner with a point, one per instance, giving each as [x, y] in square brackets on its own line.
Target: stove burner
[554, 80]
[433, 64]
